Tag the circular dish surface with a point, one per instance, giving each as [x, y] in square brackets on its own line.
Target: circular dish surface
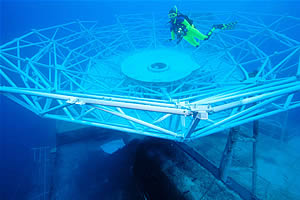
[158, 65]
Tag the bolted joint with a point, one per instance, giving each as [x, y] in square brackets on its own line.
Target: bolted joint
[75, 100]
[72, 100]
[201, 115]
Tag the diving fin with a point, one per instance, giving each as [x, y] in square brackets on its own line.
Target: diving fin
[228, 26]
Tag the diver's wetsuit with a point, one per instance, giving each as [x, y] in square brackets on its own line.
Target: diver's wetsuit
[181, 28]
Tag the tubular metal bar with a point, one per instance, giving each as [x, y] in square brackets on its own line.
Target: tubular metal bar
[140, 122]
[127, 130]
[130, 121]
[281, 62]
[193, 125]
[124, 98]
[245, 92]
[99, 102]
[20, 71]
[54, 108]
[256, 98]
[206, 130]
[29, 107]
[244, 121]
[14, 85]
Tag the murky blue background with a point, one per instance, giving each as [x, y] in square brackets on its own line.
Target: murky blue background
[20, 130]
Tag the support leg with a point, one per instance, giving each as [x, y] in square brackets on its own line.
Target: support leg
[228, 153]
[254, 172]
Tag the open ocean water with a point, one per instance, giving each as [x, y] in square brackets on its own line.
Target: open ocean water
[20, 129]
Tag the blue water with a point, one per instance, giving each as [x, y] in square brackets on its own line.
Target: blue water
[21, 130]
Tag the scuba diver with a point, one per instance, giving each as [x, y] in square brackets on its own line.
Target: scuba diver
[182, 27]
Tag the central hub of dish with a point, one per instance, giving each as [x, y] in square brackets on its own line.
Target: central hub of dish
[158, 65]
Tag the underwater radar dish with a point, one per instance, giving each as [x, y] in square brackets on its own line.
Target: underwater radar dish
[128, 77]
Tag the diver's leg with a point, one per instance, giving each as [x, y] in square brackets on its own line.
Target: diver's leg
[190, 39]
[228, 26]
[195, 33]
[210, 32]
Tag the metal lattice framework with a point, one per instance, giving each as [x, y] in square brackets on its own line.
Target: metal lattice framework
[72, 72]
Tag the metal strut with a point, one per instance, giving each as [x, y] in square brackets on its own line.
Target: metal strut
[226, 161]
